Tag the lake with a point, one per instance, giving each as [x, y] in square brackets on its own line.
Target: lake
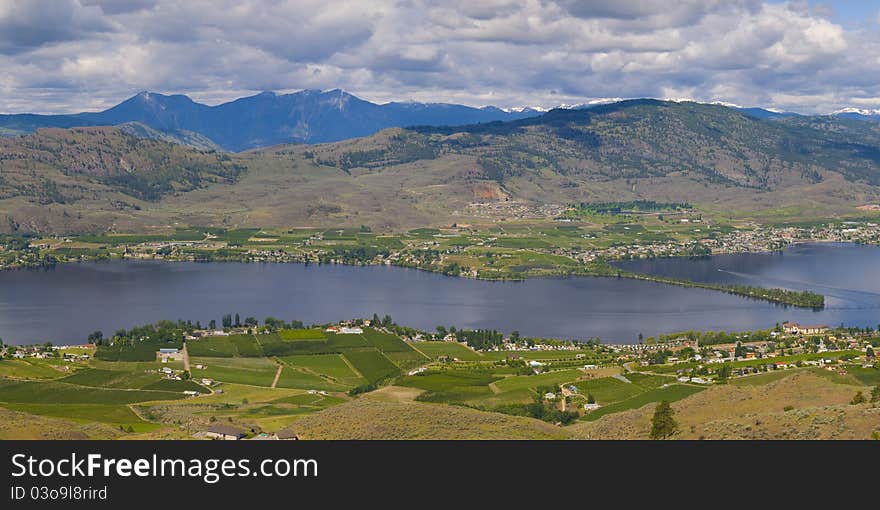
[64, 304]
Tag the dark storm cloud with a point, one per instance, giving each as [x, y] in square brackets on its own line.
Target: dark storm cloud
[26, 25]
[78, 54]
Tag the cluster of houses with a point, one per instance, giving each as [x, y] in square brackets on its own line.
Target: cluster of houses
[344, 330]
[224, 432]
[793, 328]
[51, 351]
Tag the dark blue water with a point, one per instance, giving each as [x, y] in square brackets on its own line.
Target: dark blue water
[65, 304]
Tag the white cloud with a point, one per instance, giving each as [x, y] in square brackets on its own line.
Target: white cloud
[92, 53]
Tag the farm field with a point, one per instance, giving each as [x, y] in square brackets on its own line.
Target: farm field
[252, 371]
[29, 369]
[86, 413]
[292, 377]
[302, 334]
[670, 393]
[51, 392]
[330, 365]
[588, 355]
[224, 346]
[451, 386]
[452, 349]
[554, 378]
[372, 364]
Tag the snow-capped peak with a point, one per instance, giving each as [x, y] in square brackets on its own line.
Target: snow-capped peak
[860, 111]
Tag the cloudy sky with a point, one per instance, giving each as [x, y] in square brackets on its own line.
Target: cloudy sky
[805, 56]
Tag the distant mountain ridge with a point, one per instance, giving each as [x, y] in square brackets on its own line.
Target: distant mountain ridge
[265, 119]
[129, 177]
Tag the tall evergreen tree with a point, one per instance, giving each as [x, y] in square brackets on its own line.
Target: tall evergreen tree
[663, 424]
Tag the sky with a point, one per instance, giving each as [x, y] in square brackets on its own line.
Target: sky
[808, 56]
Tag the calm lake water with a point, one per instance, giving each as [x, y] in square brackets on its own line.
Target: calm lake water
[65, 304]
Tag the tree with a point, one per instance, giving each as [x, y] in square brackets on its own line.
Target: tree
[591, 399]
[514, 336]
[858, 399]
[96, 338]
[663, 424]
[213, 324]
[724, 371]
[237, 321]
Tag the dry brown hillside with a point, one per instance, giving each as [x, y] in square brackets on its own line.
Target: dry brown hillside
[819, 410]
[367, 418]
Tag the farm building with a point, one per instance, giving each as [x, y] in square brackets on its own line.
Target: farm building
[224, 432]
[286, 435]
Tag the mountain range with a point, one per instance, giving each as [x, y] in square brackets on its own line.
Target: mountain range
[307, 116]
[723, 159]
[265, 119]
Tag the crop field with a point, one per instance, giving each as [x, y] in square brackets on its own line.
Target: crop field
[608, 389]
[587, 355]
[173, 385]
[372, 364]
[452, 349]
[670, 393]
[292, 377]
[115, 414]
[224, 346]
[330, 365]
[215, 346]
[340, 342]
[99, 378]
[532, 381]
[274, 345]
[406, 360]
[302, 334]
[385, 342]
[139, 351]
[51, 392]
[252, 371]
[28, 369]
[246, 345]
[451, 386]
[866, 376]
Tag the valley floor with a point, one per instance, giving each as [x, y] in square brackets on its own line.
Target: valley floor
[372, 383]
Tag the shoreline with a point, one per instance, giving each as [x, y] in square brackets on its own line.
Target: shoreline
[783, 297]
